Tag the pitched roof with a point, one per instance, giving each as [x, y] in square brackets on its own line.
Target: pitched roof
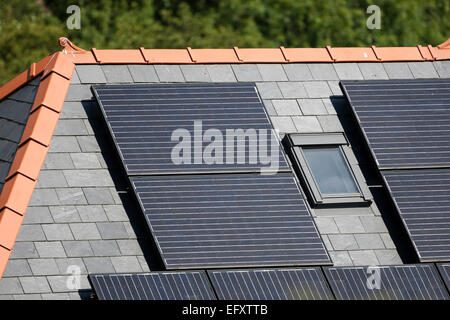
[56, 72]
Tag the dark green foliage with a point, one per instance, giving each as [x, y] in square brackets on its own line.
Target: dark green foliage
[29, 29]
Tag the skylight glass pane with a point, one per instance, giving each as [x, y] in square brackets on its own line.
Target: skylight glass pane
[330, 170]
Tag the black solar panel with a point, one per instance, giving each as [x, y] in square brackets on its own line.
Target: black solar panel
[274, 284]
[406, 122]
[444, 270]
[229, 220]
[193, 285]
[405, 282]
[143, 119]
[423, 199]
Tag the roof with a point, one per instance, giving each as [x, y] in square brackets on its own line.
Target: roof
[61, 74]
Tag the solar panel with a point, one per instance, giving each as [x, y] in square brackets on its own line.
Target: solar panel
[423, 200]
[273, 284]
[406, 122]
[444, 270]
[192, 285]
[148, 123]
[229, 220]
[405, 282]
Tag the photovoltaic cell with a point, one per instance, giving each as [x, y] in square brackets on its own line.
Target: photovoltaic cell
[229, 220]
[147, 122]
[405, 282]
[423, 199]
[272, 284]
[193, 285]
[406, 122]
[444, 270]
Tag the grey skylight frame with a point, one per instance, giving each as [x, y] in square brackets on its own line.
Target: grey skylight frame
[296, 143]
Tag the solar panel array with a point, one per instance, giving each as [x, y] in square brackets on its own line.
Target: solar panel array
[193, 285]
[423, 197]
[406, 122]
[273, 284]
[406, 282]
[229, 220]
[444, 270]
[407, 127]
[145, 121]
[209, 215]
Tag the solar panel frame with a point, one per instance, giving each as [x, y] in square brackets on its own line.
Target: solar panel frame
[385, 85]
[444, 271]
[192, 169]
[405, 282]
[299, 213]
[153, 286]
[271, 284]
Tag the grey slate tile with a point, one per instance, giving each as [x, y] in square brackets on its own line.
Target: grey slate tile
[326, 225]
[283, 124]
[398, 70]
[50, 249]
[65, 265]
[364, 258]
[221, 73]
[56, 296]
[63, 214]
[117, 73]
[24, 250]
[98, 195]
[322, 71]
[115, 213]
[369, 241]
[335, 89]
[78, 92]
[78, 248]
[10, 286]
[442, 68]
[17, 268]
[105, 248]
[387, 240]
[126, 264]
[75, 79]
[42, 197]
[272, 72]
[268, 105]
[85, 160]
[349, 224]
[60, 283]
[372, 71]
[246, 72]
[297, 71]
[88, 178]
[112, 230]
[341, 258]
[30, 232]
[292, 90]
[317, 89]
[34, 284]
[330, 123]
[51, 179]
[85, 231]
[269, 90]
[57, 232]
[25, 94]
[88, 144]
[307, 124]
[70, 127]
[64, 144]
[423, 69]
[144, 264]
[43, 267]
[343, 241]
[70, 196]
[286, 107]
[37, 215]
[373, 224]
[143, 73]
[15, 110]
[388, 257]
[32, 297]
[195, 73]
[99, 265]
[312, 107]
[348, 71]
[7, 150]
[169, 73]
[4, 297]
[58, 161]
[129, 247]
[92, 213]
[90, 74]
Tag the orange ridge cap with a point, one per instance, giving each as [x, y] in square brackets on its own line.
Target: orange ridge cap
[57, 71]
